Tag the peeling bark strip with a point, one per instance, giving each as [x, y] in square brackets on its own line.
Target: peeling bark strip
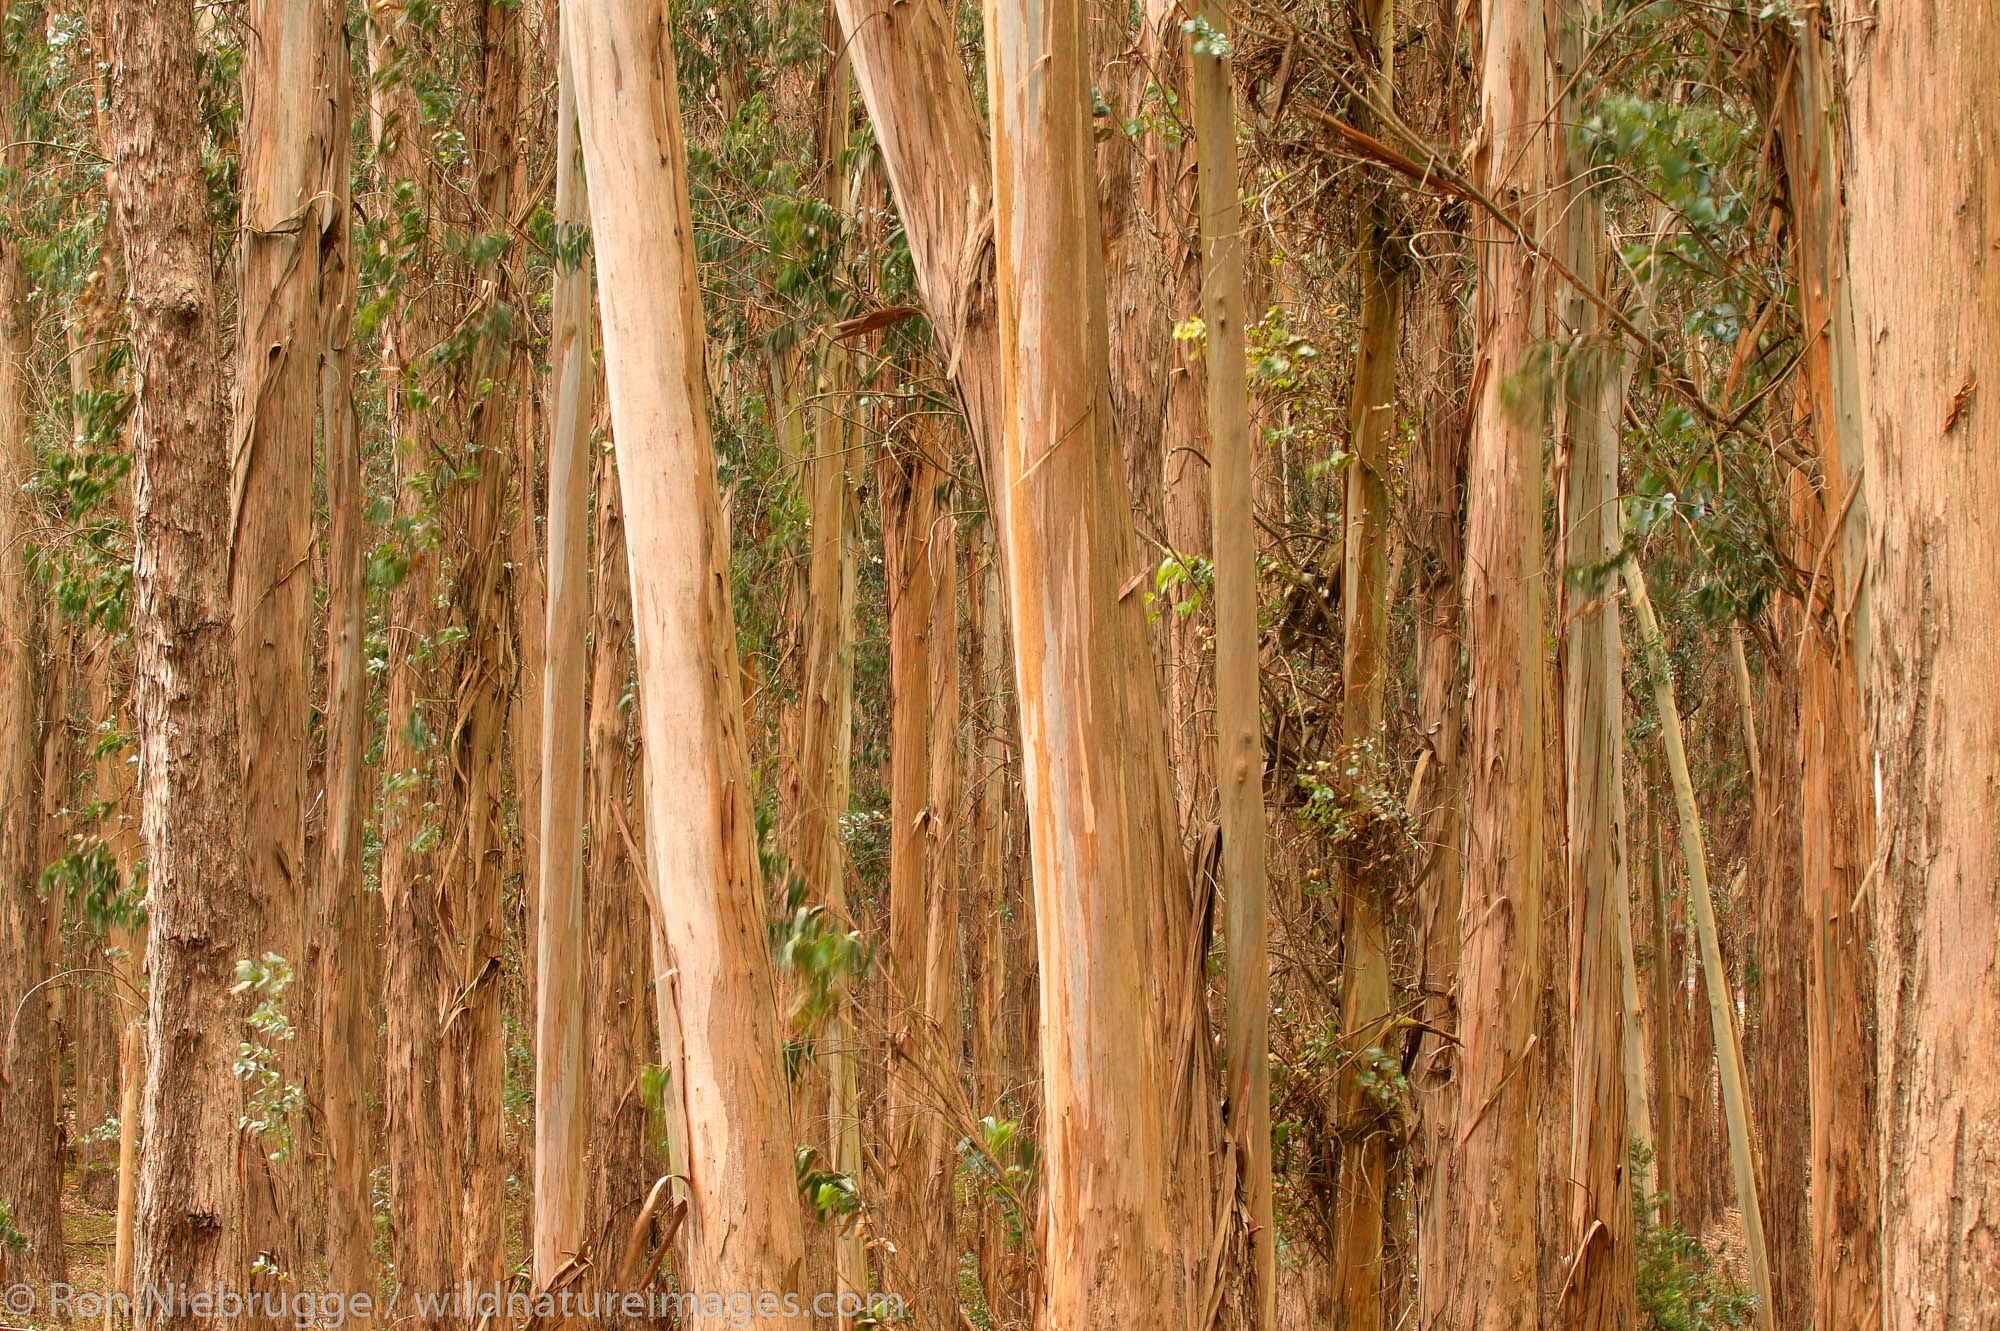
[743, 1221]
[190, 785]
[1924, 109]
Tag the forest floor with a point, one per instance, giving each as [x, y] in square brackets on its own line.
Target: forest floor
[89, 1239]
[1725, 1242]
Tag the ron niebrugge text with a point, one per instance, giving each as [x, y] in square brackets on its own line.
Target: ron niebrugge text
[332, 1309]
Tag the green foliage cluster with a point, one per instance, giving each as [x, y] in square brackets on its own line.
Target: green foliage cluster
[1681, 1285]
[271, 1104]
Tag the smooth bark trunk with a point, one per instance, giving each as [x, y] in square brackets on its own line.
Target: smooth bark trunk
[560, 1110]
[1104, 846]
[743, 1230]
[1239, 720]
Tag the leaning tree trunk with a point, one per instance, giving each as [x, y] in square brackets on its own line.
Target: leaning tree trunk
[1924, 110]
[1722, 1021]
[1500, 966]
[743, 1222]
[1100, 810]
[190, 786]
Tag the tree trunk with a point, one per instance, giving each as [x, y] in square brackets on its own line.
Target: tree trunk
[288, 144]
[479, 380]
[30, 1170]
[1366, 1002]
[347, 909]
[1930, 369]
[615, 916]
[1239, 723]
[907, 482]
[1835, 815]
[743, 1223]
[826, 748]
[415, 984]
[190, 787]
[1597, 1289]
[1437, 501]
[943, 982]
[560, 1140]
[1778, 990]
[1100, 809]
[1499, 978]
[1666, 1003]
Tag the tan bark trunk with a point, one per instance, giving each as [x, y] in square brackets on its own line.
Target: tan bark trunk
[1924, 114]
[483, 676]
[614, 911]
[1597, 1290]
[1728, 1046]
[1666, 978]
[1100, 808]
[986, 857]
[190, 1193]
[560, 1128]
[1437, 500]
[1366, 1002]
[416, 988]
[743, 1224]
[1148, 196]
[30, 1171]
[1835, 815]
[1499, 978]
[288, 140]
[907, 484]
[348, 910]
[1239, 721]
[826, 748]
[943, 982]
[1774, 984]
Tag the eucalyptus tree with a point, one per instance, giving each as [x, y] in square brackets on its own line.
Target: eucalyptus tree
[190, 1186]
[743, 1227]
[1500, 966]
[1925, 286]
